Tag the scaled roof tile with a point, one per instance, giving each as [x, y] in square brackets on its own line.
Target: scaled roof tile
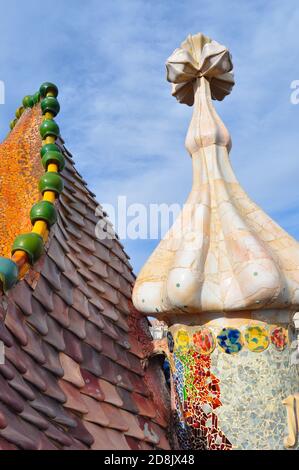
[73, 377]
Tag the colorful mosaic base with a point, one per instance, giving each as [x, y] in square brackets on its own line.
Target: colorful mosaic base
[230, 340]
[197, 395]
[204, 341]
[232, 396]
[279, 338]
[257, 338]
[182, 341]
[253, 387]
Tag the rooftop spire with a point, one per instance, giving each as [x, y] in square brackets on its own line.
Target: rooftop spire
[223, 253]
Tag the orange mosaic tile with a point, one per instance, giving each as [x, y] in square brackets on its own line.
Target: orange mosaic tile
[20, 171]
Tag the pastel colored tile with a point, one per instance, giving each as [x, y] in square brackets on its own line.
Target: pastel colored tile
[257, 338]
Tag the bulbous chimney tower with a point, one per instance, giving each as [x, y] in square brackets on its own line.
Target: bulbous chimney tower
[226, 281]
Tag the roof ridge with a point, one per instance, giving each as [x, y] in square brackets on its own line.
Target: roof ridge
[28, 247]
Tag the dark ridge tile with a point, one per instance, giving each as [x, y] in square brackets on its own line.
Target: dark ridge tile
[107, 242]
[123, 304]
[122, 322]
[128, 403]
[77, 206]
[22, 294]
[18, 383]
[18, 432]
[44, 405]
[94, 336]
[92, 385]
[73, 346]
[11, 398]
[60, 311]
[67, 185]
[43, 293]
[60, 238]
[98, 267]
[84, 288]
[135, 364]
[34, 346]
[76, 445]
[92, 216]
[76, 260]
[96, 302]
[3, 422]
[56, 254]
[113, 278]
[110, 294]
[76, 218]
[76, 233]
[80, 433]
[92, 360]
[102, 252]
[5, 335]
[33, 417]
[116, 263]
[95, 316]
[53, 363]
[66, 292]
[7, 370]
[89, 228]
[120, 356]
[33, 375]
[77, 324]
[64, 206]
[125, 288]
[5, 445]
[110, 329]
[71, 272]
[58, 435]
[83, 260]
[55, 335]
[38, 318]
[109, 371]
[46, 444]
[53, 390]
[86, 242]
[86, 274]
[15, 355]
[110, 311]
[59, 227]
[109, 347]
[51, 273]
[15, 321]
[56, 412]
[80, 303]
[139, 386]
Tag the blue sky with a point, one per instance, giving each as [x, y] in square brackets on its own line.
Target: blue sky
[118, 118]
